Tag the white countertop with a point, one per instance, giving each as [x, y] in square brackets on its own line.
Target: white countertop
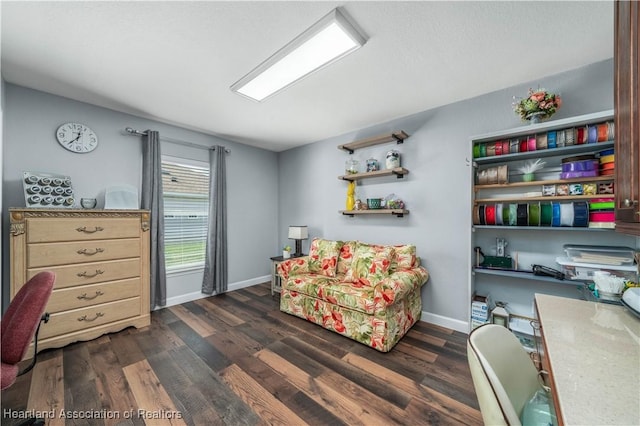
[594, 353]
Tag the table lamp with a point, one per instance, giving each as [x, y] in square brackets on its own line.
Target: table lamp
[298, 233]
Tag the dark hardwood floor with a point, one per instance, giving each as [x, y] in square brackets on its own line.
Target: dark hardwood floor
[235, 359]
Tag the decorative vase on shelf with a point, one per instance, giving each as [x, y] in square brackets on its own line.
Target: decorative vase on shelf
[351, 196]
[536, 117]
[528, 177]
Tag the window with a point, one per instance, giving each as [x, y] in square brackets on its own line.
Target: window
[185, 186]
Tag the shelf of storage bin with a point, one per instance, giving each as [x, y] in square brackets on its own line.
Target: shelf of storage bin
[399, 172]
[395, 212]
[549, 198]
[398, 136]
[526, 275]
[479, 187]
[542, 228]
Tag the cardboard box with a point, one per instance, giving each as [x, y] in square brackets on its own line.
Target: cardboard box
[481, 307]
[475, 323]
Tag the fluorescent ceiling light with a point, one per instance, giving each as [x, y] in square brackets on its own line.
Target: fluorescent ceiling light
[326, 41]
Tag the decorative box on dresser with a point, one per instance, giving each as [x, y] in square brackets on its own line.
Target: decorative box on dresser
[101, 262]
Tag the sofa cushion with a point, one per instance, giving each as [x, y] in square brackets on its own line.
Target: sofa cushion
[332, 290]
[370, 264]
[323, 256]
[346, 257]
[405, 257]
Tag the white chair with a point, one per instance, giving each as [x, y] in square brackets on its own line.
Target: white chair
[504, 376]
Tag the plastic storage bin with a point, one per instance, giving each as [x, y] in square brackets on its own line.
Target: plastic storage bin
[601, 255]
[584, 271]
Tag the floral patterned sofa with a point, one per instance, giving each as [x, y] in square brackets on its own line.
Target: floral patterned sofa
[369, 293]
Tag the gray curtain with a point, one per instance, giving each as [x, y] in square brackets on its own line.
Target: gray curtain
[215, 267]
[152, 200]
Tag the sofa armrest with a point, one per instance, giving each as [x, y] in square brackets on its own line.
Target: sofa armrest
[397, 285]
[294, 266]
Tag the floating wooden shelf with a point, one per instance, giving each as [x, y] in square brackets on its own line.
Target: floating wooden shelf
[398, 171]
[394, 212]
[398, 136]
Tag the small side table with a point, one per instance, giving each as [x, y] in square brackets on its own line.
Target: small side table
[276, 284]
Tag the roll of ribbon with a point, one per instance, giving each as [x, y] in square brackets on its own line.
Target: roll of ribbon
[490, 214]
[592, 136]
[566, 214]
[505, 214]
[603, 132]
[560, 138]
[531, 143]
[482, 215]
[499, 148]
[555, 214]
[513, 214]
[514, 146]
[580, 214]
[541, 141]
[551, 140]
[505, 147]
[524, 144]
[570, 137]
[476, 151]
[491, 149]
[545, 214]
[523, 214]
[534, 214]
[499, 211]
[476, 215]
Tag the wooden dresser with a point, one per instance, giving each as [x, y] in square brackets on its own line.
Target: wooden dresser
[101, 262]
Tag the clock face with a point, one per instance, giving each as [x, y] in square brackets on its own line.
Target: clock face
[77, 138]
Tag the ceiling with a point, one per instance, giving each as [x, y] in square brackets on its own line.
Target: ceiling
[175, 61]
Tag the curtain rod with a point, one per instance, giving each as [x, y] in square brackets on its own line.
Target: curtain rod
[134, 132]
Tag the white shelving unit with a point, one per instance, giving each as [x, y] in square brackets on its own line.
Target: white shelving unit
[533, 244]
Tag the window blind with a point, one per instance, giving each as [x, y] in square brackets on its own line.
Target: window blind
[186, 205]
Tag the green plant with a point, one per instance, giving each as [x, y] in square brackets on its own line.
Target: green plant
[286, 248]
[538, 101]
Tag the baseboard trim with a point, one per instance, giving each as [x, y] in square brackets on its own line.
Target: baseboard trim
[447, 322]
[190, 297]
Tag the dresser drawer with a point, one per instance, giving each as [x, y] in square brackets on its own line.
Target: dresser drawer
[80, 319]
[93, 294]
[49, 254]
[41, 230]
[91, 273]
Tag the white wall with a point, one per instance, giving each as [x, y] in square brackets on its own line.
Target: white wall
[30, 121]
[437, 190]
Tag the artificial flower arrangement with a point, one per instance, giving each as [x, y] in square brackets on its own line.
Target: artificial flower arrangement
[538, 103]
[530, 168]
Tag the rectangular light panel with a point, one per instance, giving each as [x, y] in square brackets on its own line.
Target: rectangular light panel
[329, 39]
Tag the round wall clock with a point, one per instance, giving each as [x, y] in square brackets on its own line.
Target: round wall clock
[77, 138]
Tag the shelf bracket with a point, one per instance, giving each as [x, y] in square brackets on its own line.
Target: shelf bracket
[398, 175]
[347, 214]
[398, 138]
[399, 214]
[349, 150]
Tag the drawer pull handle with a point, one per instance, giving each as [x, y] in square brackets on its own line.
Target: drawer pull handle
[88, 253]
[88, 231]
[86, 275]
[84, 296]
[84, 317]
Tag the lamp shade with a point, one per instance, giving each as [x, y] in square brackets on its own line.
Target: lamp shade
[298, 232]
